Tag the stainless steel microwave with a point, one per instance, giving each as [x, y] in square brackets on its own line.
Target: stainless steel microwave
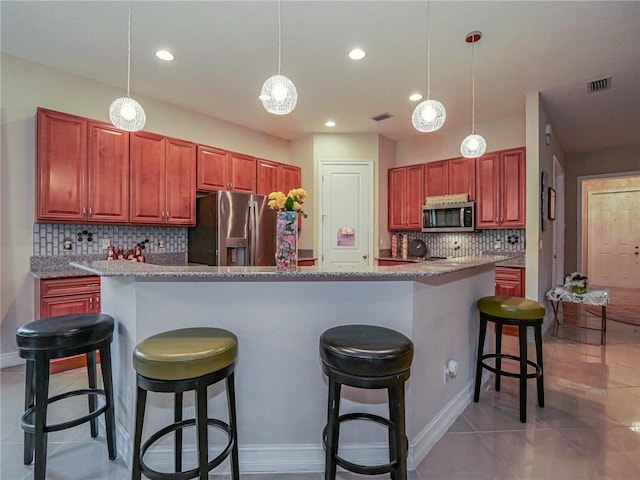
[452, 217]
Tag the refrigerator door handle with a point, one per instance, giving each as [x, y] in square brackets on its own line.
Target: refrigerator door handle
[251, 249]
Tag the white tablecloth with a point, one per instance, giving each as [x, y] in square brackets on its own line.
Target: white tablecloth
[592, 297]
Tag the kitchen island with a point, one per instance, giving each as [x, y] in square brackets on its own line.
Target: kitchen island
[278, 318]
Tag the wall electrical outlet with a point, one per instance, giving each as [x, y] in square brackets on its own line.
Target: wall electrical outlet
[106, 243]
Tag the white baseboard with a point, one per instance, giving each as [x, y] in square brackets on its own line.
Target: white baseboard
[10, 360]
[429, 436]
[292, 458]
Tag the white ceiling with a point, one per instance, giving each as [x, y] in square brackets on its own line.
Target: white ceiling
[225, 50]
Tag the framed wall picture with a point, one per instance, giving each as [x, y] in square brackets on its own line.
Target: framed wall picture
[552, 204]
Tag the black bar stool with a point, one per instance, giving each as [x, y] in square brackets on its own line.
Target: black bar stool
[175, 362]
[522, 313]
[58, 337]
[369, 357]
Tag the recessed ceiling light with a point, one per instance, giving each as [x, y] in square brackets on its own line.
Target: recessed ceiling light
[414, 97]
[329, 123]
[164, 55]
[357, 54]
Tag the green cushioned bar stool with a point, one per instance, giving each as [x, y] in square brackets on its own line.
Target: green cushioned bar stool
[522, 313]
[175, 362]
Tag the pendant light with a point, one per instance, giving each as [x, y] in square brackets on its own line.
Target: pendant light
[278, 94]
[430, 115]
[473, 145]
[126, 113]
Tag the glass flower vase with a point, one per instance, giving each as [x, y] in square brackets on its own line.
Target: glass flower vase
[579, 289]
[286, 241]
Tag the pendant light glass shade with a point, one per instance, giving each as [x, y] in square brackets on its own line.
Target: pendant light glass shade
[429, 116]
[125, 113]
[473, 145]
[279, 95]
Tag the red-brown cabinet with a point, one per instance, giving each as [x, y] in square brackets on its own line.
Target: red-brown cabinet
[82, 170]
[509, 283]
[274, 176]
[163, 177]
[222, 170]
[500, 189]
[406, 187]
[64, 296]
[446, 177]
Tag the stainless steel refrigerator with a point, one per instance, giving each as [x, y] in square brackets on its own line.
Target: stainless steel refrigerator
[233, 229]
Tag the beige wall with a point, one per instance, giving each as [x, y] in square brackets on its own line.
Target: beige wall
[500, 135]
[579, 166]
[26, 86]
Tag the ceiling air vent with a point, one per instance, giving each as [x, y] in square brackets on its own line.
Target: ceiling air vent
[599, 85]
[382, 116]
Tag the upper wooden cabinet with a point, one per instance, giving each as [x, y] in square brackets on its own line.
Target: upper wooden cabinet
[274, 176]
[406, 187]
[82, 170]
[163, 172]
[501, 193]
[445, 177]
[268, 175]
[222, 170]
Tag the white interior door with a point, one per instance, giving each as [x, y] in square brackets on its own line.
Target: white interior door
[614, 239]
[346, 214]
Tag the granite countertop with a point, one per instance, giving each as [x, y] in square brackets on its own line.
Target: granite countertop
[59, 266]
[410, 271]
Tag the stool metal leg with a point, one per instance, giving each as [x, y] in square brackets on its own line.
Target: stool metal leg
[109, 414]
[231, 401]
[522, 336]
[141, 400]
[540, 379]
[93, 384]
[483, 333]
[498, 327]
[40, 421]
[397, 417]
[29, 398]
[177, 435]
[201, 422]
[333, 429]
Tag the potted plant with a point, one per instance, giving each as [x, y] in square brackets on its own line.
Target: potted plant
[576, 283]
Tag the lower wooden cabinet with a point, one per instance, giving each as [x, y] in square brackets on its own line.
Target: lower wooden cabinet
[306, 262]
[63, 296]
[509, 283]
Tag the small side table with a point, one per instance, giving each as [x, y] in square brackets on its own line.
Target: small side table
[559, 295]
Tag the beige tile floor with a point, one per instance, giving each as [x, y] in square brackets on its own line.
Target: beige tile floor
[589, 428]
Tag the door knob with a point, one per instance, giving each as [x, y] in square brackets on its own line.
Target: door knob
[365, 257]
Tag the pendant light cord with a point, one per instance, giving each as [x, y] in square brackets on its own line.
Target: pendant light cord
[279, 38]
[473, 91]
[428, 51]
[129, 50]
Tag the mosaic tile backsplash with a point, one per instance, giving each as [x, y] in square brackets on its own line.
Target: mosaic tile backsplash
[470, 243]
[51, 239]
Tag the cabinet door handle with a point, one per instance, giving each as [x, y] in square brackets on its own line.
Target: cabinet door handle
[167, 215]
[84, 211]
[90, 212]
[90, 303]
[97, 304]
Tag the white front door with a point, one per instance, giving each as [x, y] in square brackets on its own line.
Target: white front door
[346, 214]
[614, 239]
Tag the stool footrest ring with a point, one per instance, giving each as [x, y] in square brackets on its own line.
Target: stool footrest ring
[364, 469]
[26, 420]
[186, 474]
[505, 373]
